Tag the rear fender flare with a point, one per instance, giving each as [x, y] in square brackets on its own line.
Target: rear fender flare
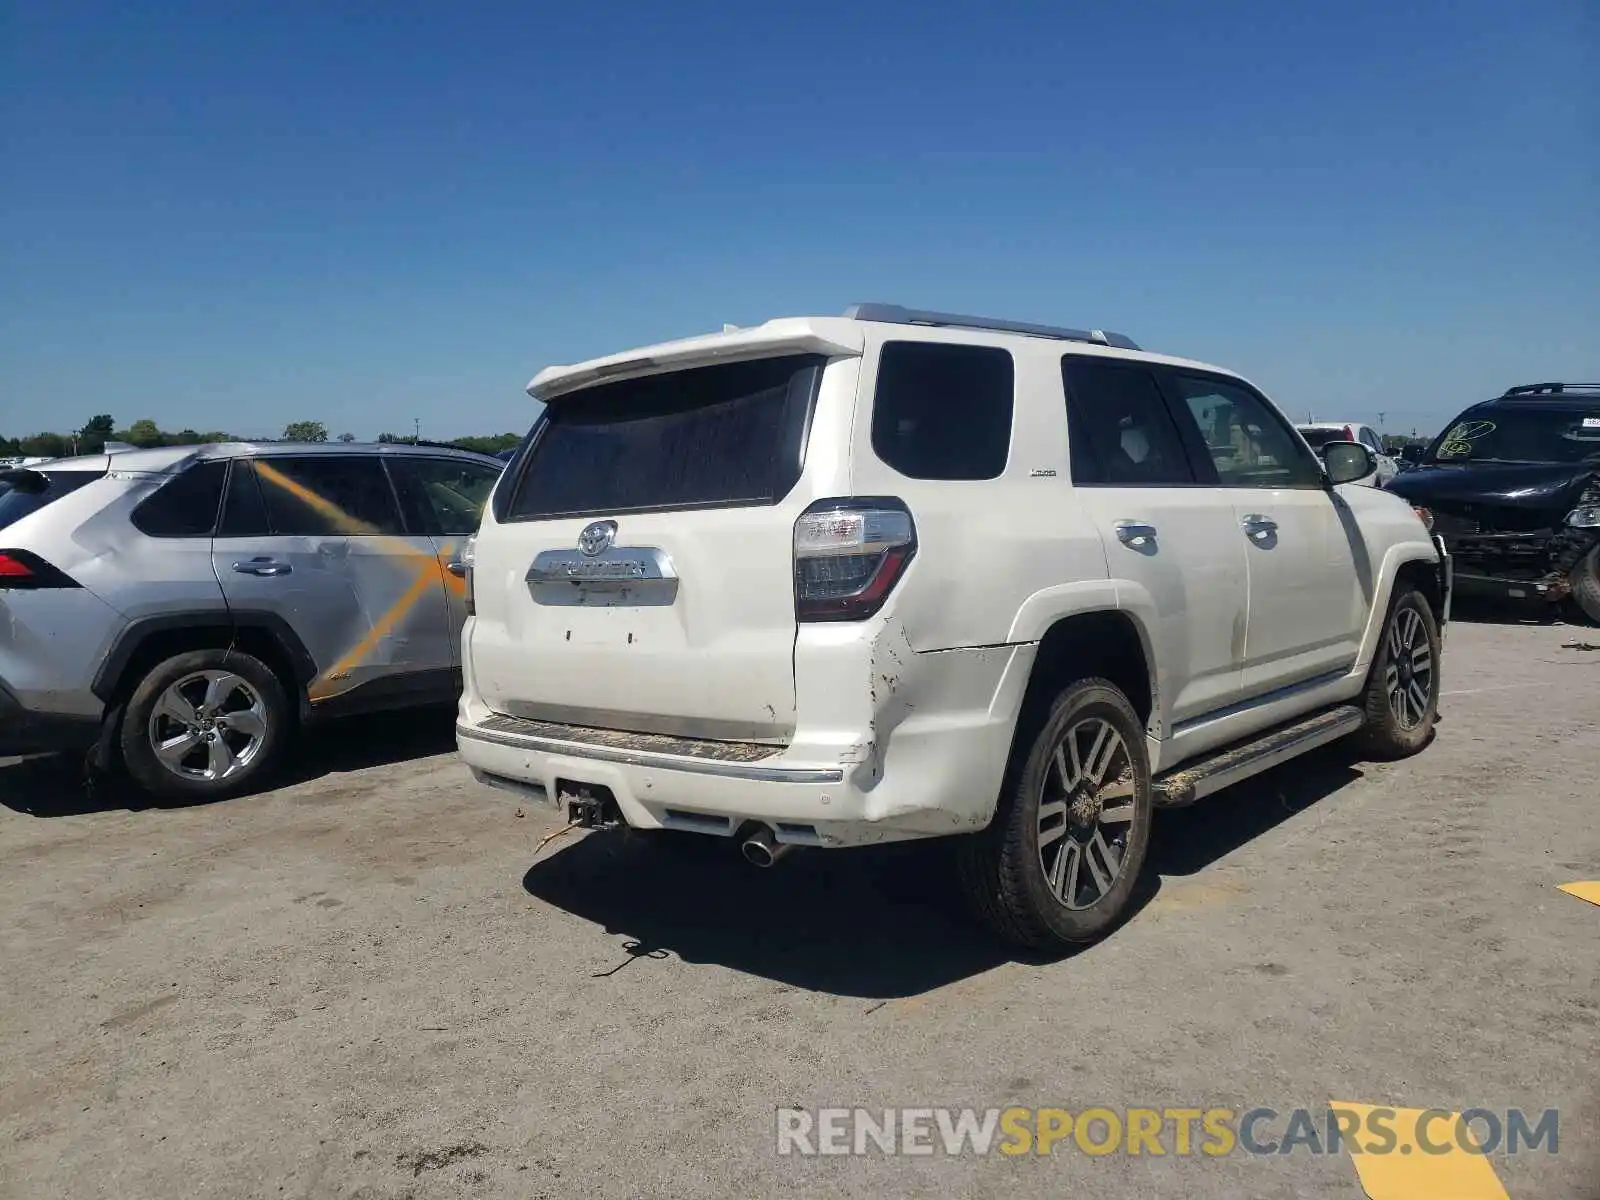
[109, 678]
[1049, 605]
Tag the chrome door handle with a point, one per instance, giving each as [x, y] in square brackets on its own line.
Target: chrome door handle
[264, 567]
[1137, 534]
[1258, 527]
[457, 568]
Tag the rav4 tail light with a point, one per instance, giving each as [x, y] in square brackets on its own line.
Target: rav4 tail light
[22, 569]
[848, 555]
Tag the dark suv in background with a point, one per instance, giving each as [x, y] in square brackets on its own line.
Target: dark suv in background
[1514, 488]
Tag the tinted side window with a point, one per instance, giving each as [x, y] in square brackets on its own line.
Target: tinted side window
[323, 495]
[1120, 430]
[943, 412]
[442, 495]
[1249, 443]
[186, 505]
[244, 513]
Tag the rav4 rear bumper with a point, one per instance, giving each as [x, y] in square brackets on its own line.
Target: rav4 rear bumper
[24, 731]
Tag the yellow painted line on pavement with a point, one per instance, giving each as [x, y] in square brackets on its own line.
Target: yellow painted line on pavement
[1587, 889]
[1410, 1171]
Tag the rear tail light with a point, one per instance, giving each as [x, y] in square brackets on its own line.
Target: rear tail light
[22, 569]
[848, 555]
[1350, 434]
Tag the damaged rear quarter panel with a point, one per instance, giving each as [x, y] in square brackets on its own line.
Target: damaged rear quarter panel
[928, 721]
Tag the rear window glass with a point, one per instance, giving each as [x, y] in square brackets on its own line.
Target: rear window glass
[729, 434]
[24, 492]
[942, 411]
[184, 506]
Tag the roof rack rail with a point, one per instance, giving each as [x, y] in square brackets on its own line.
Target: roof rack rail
[1549, 389]
[894, 314]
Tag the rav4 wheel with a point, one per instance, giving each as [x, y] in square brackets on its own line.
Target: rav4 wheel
[1059, 863]
[1402, 696]
[1586, 585]
[203, 724]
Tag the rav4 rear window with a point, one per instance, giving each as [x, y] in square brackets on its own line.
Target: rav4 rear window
[717, 436]
[24, 492]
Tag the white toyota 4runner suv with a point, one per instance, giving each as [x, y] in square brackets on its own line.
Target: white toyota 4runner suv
[843, 580]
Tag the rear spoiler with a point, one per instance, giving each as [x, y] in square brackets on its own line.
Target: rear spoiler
[796, 335]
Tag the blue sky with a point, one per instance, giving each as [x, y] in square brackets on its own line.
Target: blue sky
[229, 215]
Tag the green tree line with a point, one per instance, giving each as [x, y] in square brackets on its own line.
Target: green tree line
[145, 433]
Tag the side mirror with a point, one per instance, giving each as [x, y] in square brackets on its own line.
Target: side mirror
[1348, 461]
[1412, 453]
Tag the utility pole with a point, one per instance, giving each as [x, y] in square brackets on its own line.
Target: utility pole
[1380, 421]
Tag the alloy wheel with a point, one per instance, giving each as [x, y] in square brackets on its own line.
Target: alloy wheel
[1408, 679]
[1086, 813]
[208, 725]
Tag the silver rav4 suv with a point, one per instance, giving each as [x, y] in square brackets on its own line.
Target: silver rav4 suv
[182, 611]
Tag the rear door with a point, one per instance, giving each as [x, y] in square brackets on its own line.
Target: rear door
[639, 575]
[318, 540]
[1170, 540]
[302, 580]
[444, 498]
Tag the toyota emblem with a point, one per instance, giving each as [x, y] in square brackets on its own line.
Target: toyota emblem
[597, 537]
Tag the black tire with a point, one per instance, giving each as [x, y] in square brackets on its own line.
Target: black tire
[142, 728]
[1586, 586]
[1012, 881]
[1396, 727]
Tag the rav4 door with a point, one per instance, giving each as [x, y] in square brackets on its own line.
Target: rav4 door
[317, 539]
[645, 533]
[443, 498]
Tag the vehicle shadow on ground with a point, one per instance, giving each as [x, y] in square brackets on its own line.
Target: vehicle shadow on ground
[1477, 610]
[877, 923]
[62, 786]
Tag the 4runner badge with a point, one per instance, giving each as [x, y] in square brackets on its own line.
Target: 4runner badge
[597, 537]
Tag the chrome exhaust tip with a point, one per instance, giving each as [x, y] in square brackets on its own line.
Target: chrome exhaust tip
[761, 849]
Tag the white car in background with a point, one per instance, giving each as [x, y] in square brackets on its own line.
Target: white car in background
[1319, 433]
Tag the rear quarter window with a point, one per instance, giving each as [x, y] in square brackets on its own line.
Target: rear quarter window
[184, 506]
[943, 412]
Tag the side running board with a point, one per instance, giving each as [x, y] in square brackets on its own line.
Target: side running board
[1226, 767]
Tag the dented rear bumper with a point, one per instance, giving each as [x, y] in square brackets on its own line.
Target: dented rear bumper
[889, 745]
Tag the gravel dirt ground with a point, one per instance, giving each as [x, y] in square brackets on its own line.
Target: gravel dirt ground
[366, 983]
